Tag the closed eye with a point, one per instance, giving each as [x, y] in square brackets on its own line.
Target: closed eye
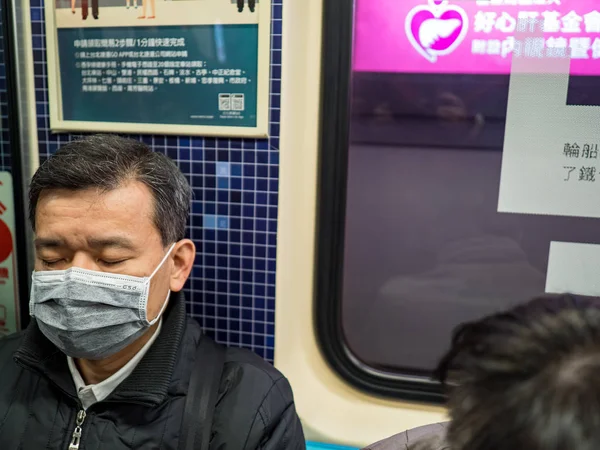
[111, 263]
[51, 263]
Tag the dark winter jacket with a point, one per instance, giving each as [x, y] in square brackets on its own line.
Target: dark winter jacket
[39, 405]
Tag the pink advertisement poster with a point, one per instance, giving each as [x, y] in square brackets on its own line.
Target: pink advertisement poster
[472, 36]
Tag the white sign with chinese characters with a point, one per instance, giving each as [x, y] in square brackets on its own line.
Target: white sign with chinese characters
[9, 310]
[580, 47]
[551, 159]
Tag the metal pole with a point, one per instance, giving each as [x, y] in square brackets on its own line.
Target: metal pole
[16, 32]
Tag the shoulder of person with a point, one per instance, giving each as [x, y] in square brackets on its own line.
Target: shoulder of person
[255, 408]
[432, 436]
[247, 373]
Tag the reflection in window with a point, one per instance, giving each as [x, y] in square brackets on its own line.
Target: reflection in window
[425, 246]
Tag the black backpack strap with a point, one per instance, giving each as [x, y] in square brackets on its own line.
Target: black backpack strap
[202, 395]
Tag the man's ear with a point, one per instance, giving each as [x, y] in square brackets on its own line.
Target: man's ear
[183, 255]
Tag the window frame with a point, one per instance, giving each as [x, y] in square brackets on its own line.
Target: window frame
[334, 140]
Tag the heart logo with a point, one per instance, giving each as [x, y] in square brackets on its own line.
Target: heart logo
[436, 29]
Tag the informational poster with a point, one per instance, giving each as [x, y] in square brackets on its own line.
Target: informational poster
[470, 36]
[9, 310]
[550, 161]
[159, 66]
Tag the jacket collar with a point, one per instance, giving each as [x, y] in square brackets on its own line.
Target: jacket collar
[148, 383]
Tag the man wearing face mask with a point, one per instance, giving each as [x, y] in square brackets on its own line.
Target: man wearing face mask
[110, 359]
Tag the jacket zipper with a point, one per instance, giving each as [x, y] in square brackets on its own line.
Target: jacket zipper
[76, 438]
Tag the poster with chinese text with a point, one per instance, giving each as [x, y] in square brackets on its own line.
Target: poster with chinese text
[198, 67]
[550, 158]
[470, 36]
[549, 50]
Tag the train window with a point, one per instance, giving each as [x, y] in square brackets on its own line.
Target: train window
[415, 134]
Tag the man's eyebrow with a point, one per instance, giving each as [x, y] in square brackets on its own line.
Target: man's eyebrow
[113, 241]
[48, 243]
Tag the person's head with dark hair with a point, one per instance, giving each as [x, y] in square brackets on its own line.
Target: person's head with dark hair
[105, 209]
[528, 378]
[525, 379]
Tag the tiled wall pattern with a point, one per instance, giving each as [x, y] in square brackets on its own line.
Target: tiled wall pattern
[234, 212]
[4, 149]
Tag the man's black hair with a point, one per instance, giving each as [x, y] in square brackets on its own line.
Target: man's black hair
[107, 162]
[527, 379]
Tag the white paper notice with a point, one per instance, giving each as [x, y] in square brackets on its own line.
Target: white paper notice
[551, 161]
[573, 268]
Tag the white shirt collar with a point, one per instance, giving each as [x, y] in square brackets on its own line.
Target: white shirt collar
[94, 393]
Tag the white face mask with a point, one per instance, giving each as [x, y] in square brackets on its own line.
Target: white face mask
[89, 314]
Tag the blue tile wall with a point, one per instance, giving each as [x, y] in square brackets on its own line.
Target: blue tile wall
[234, 213]
[4, 144]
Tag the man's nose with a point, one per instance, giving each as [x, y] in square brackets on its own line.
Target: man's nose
[84, 261]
